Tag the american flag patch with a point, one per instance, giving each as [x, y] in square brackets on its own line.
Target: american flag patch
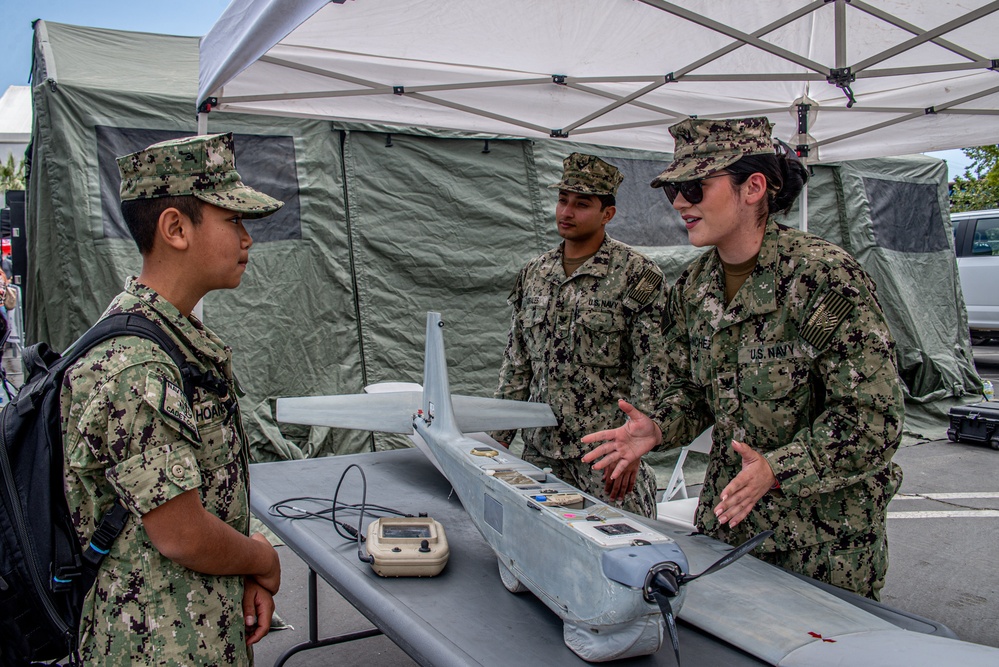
[645, 291]
[829, 312]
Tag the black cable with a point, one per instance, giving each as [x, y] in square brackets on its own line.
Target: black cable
[360, 517]
[286, 510]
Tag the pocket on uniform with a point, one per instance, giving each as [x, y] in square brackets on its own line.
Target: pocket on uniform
[221, 444]
[599, 335]
[776, 394]
[531, 320]
[860, 570]
[772, 381]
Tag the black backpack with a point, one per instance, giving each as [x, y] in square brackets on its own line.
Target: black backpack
[44, 575]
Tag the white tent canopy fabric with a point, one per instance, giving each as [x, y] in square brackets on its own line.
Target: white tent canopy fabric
[879, 78]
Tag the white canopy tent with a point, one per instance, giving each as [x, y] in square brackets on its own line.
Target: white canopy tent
[841, 79]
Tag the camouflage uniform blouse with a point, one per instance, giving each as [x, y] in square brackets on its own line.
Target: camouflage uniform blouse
[581, 342]
[800, 366]
[131, 434]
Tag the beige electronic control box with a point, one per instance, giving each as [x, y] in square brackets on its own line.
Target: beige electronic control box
[407, 546]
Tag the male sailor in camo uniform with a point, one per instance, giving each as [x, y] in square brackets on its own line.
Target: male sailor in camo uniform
[586, 331]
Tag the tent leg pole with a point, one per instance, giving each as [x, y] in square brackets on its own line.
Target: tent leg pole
[202, 123]
[804, 208]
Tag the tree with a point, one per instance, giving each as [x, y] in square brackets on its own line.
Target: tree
[979, 187]
[11, 175]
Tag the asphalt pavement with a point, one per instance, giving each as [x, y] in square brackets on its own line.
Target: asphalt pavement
[943, 540]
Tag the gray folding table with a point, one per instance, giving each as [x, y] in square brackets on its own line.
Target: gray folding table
[464, 616]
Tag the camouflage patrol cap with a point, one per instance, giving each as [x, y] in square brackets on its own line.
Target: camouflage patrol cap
[588, 175]
[704, 146]
[203, 166]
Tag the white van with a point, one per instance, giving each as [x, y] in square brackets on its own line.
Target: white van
[976, 242]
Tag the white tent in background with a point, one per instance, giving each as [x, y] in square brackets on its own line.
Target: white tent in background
[878, 78]
[15, 122]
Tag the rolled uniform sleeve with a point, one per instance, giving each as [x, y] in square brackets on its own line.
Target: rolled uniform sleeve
[150, 434]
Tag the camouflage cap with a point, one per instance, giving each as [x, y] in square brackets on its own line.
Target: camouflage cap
[704, 146]
[588, 175]
[203, 166]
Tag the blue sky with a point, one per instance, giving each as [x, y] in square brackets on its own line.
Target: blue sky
[171, 17]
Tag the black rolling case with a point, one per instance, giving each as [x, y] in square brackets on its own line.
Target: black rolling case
[978, 422]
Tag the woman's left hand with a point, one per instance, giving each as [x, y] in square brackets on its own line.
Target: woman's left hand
[742, 493]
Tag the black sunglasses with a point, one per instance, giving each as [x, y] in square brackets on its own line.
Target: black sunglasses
[691, 190]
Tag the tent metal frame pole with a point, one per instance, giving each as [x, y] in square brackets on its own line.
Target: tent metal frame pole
[891, 19]
[643, 78]
[928, 69]
[761, 76]
[891, 110]
[839, 23]
[619, 102]
[630, 99]
[729, 31]
[803, 149]
[935, 109]
[480, 112]
[968, 112]
[767, 29]
[927, 36]
[309, 69]
[626, 126]
[635, 103]
[382, 87]
[804, 201]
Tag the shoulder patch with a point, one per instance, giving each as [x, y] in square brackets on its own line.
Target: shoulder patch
[822, 322]
[645, 291]
[175, 405]
[669, 316]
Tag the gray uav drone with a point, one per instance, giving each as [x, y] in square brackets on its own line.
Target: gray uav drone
[636, 575]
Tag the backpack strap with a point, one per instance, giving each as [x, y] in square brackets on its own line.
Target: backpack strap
[132, 324]
[107, 531]
[135, 324]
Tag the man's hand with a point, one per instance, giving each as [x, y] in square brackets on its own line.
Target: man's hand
[742, 493]
[258, 608]
[625, 445]
[270, 580]
[623, 485]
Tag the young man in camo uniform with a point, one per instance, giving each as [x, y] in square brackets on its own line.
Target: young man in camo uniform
[586, 331]
[183, 584]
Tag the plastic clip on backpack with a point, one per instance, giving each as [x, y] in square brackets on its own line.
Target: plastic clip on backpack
[44, 575]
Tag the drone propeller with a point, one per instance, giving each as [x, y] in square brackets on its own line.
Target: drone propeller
[665, 579]
[730, 557]
[667, 610]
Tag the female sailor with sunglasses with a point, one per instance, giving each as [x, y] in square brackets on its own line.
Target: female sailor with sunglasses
[776, 339]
